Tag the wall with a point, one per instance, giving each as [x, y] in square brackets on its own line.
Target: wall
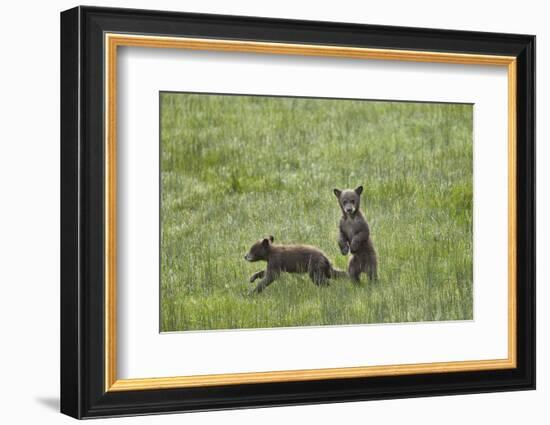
[29, 228]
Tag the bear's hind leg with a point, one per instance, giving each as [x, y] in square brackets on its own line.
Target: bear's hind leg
[371, 272]
[372, 266]
[354, 269]
[318, 276]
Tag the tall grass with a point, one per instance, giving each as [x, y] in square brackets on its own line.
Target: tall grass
[237, 168]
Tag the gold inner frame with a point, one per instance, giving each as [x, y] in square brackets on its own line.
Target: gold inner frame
[113, 41]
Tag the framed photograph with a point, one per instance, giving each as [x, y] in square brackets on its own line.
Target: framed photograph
[260, 212]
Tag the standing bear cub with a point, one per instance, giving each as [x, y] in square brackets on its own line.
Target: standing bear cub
[290, 259]
[355, 235]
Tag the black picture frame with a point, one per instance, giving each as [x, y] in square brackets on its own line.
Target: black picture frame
[82, 218]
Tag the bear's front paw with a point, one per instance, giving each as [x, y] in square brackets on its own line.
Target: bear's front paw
[257, 275]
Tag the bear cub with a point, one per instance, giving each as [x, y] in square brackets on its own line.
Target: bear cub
[355, 235]
[290, 259]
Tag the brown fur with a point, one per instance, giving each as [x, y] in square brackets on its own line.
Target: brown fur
[290, 259]
[355, 235]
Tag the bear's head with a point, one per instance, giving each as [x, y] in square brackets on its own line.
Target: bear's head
[260, 250]
[349, 200]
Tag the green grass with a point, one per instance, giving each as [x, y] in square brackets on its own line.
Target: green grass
[237, 168]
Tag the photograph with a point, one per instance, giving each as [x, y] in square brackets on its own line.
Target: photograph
[279, 212]
[261, 211]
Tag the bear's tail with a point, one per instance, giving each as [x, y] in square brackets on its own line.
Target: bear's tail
[337, 274]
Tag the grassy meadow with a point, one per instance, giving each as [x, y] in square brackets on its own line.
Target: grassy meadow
[238, 168]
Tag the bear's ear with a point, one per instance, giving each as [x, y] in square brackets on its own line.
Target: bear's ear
[337, 192]
[359, 190]
[271, 238]
[265, 242]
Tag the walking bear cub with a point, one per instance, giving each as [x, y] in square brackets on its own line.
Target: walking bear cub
[290, 259]
[355, 235]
